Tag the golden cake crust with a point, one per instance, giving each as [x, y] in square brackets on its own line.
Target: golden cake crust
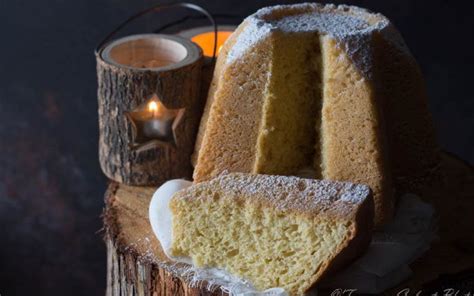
[375, 124]
[302, 196]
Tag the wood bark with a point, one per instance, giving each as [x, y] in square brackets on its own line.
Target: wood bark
[137, 265]
[126, 275]
[122, 89]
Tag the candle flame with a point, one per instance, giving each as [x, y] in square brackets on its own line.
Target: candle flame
[153, 107]
[158, 110]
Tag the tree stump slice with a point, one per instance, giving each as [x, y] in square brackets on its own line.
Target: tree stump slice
[136, 264]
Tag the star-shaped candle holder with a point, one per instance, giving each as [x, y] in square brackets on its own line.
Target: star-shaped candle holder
[150, 93]
[154, 124]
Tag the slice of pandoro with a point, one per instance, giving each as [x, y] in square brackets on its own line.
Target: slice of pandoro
[274, 231]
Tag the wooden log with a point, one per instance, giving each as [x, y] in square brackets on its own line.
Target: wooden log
[131, 71]
[138, 266]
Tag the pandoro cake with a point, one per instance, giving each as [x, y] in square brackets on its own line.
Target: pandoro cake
[273, 231]
[332, 89]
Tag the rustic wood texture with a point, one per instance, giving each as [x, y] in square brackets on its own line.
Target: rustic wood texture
[123, 89]
[135, 258]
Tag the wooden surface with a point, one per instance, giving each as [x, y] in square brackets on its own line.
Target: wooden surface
[135, 258]
[122, 89]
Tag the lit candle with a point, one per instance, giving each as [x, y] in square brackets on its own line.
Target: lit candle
[159, 123]
[155, 122]
[206, 41]
[204, 37]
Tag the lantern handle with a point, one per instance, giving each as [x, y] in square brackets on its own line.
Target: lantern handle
[158, 8]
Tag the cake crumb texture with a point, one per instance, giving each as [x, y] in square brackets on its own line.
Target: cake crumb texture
[274, 231]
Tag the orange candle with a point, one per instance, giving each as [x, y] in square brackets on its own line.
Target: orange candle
[206, 41]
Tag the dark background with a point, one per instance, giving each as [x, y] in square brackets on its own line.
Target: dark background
[51, 186]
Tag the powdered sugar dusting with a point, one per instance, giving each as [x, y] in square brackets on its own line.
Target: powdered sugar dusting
[351, 26]
[285, 193]
[254, 32]
[337, 25]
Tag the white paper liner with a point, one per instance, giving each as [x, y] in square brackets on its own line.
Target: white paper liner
[386, 262]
